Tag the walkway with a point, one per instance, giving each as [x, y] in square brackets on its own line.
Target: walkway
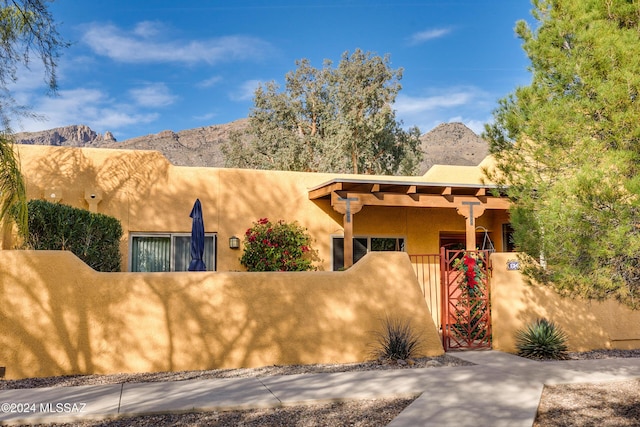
[501, 390]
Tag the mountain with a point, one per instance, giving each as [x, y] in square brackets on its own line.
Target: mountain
[448, 143]
[452, 144]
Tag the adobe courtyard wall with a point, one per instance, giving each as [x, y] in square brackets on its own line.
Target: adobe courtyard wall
[60, 317]
[589, 324]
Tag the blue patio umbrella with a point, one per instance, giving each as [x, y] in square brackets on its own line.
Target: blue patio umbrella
[197, 238]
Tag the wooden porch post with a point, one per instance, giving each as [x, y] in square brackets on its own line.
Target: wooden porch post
[348, 206]
[470, 210]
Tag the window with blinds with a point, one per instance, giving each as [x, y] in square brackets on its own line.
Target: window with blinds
[167, 252]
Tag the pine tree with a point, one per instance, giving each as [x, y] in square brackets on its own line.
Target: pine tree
[568, 147]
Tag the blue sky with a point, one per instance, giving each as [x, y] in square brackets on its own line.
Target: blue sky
[140, 67]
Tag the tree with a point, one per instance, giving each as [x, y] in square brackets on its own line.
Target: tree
[329, 120]
[27, 30]
[567, 148]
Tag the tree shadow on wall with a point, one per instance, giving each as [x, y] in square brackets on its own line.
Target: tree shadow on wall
[56, 327]
[222, 320]
[131, 172]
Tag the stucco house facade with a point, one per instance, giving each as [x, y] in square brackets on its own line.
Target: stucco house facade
[346, 215]
[60, 317]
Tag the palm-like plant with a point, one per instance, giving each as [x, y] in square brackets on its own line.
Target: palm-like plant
[13, 199]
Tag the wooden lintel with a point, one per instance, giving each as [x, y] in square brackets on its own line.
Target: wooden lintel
[420, 200]
[325, 191]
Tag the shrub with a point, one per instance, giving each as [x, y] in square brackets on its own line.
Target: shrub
[540, 340]
[276, 246]
[397, 340]
[92, 237]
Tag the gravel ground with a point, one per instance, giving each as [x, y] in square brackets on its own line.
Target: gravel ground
[602, 404]
[607, 404]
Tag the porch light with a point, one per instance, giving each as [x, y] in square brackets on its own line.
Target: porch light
[234, 242]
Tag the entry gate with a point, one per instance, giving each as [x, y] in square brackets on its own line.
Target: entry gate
[466, 310]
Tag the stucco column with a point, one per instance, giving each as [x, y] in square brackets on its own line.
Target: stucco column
[470, 208]
[347, 206]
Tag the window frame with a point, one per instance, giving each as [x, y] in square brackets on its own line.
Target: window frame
[172, 249]
[368, 237]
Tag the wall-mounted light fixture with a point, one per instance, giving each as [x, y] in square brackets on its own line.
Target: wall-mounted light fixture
[234, 242]
[93, 196]
[53, 195]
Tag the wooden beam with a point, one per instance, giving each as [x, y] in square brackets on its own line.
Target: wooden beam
[321, 192]
[421, 200]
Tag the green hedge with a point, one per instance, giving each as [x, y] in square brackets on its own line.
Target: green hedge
[92, 237]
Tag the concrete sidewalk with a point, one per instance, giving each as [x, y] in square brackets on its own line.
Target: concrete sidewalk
[500, 390]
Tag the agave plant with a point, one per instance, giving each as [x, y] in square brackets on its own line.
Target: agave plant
[397, 340]
[542, 339]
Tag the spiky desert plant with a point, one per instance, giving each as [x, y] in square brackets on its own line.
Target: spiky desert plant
[398, 339]
[542, 339]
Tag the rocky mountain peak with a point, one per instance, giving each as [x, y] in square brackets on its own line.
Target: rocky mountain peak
[75, 136]
[448, 143]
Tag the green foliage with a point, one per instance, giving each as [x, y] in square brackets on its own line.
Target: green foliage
[276, 246]
[542, 339]
[27, 31]
[471, 311]
[13, 201]
[94, 238]
[397, 340]
[568, 148]
[329, 120]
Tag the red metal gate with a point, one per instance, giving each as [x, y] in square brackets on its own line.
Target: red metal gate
[466, 311]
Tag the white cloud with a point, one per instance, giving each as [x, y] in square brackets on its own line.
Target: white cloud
[424, 36]
[91, 107]
[246, 90]
[153, 95]
[144, 45]
[411, 105]
[210, 82]
[468, 105]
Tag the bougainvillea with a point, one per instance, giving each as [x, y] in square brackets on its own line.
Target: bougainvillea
[471, 269]
[278, 246]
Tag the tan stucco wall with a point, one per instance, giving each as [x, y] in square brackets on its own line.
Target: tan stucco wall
[60, 317]
[588, 324]
[148, 194]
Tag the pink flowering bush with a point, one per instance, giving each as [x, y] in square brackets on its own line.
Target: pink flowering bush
[276, 246]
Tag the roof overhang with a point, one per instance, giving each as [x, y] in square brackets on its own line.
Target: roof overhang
[394, 192]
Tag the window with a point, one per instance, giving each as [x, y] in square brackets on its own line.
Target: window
[362, 245]
[168, 252]
[508, 244]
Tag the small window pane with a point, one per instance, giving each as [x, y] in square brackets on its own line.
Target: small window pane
[359, 248]
[387, 244]
[151, 254]
[181, 253]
